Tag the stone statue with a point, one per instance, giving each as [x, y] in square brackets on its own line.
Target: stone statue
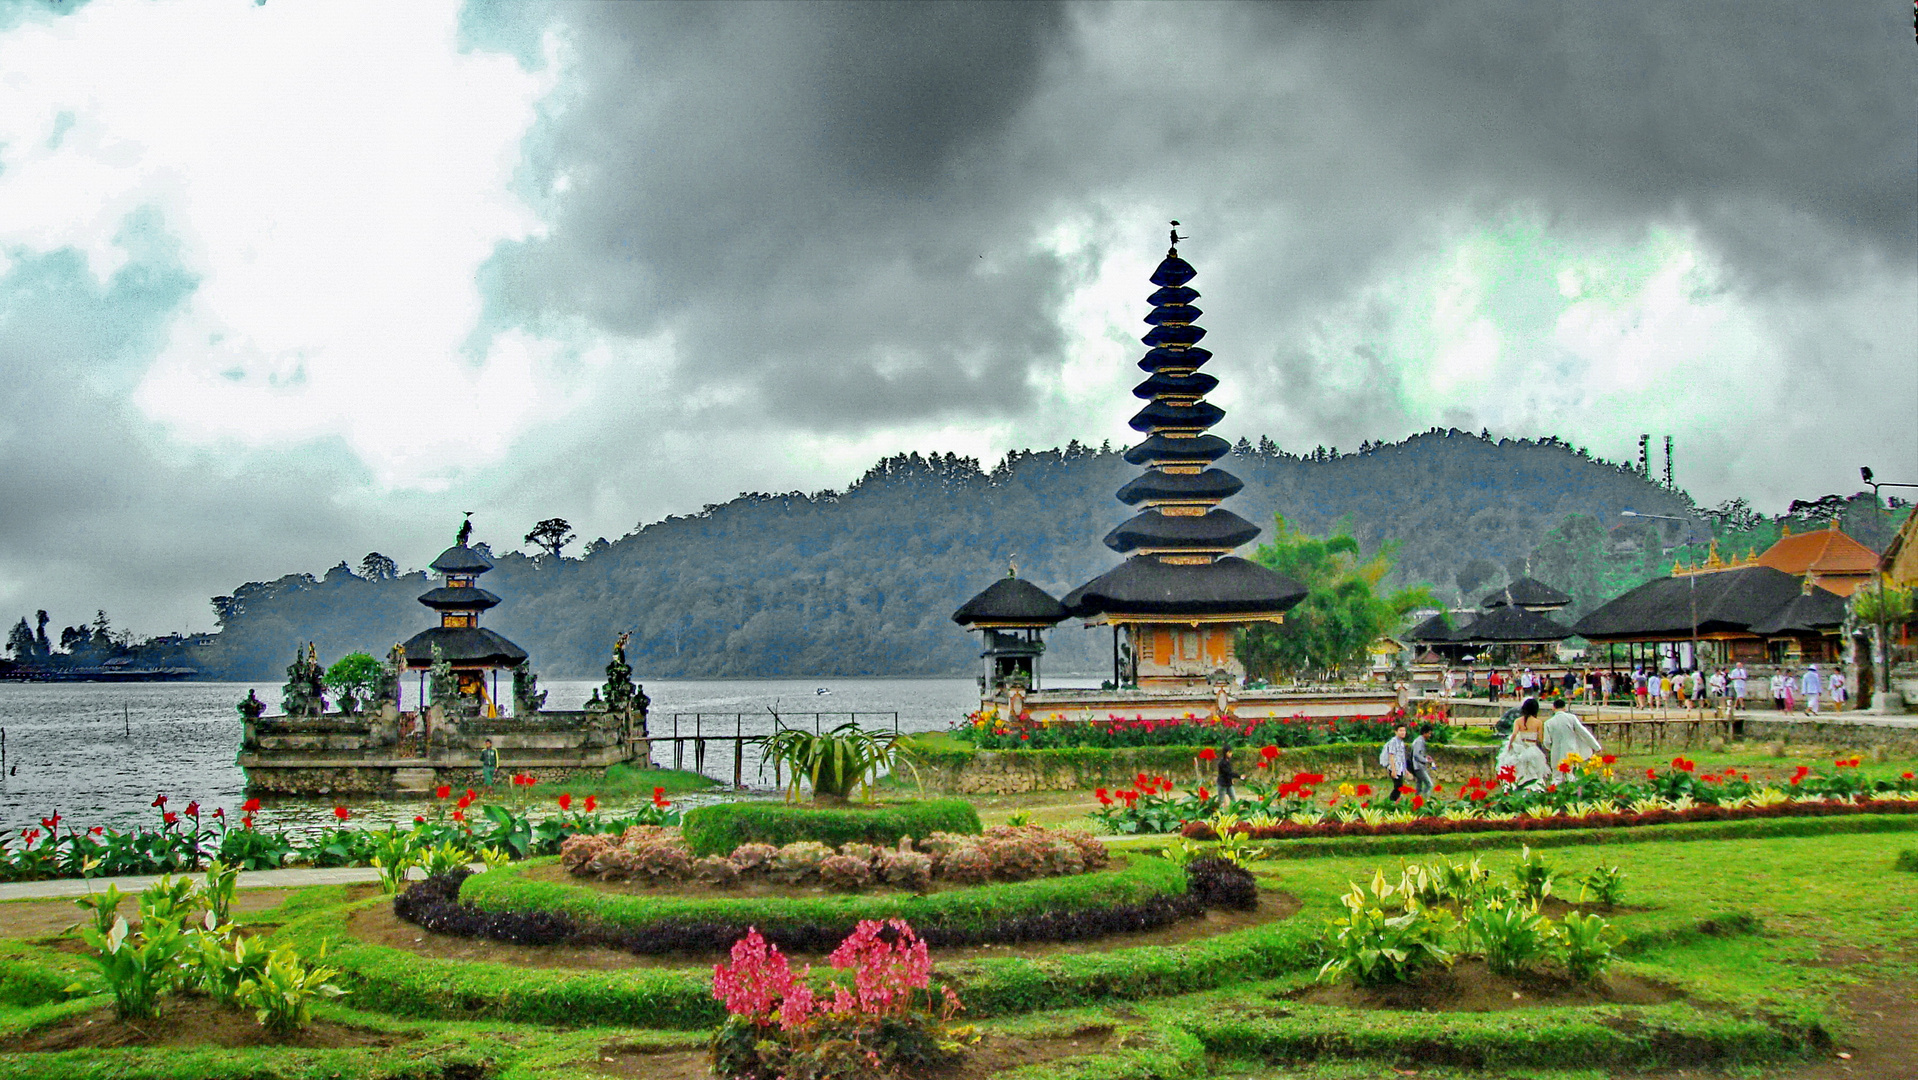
[304, 692]
[466, 530]
[528, 698]
[251, 706]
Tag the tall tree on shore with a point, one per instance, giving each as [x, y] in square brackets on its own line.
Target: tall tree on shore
[20, 640]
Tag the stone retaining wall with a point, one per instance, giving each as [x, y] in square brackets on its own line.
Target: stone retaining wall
[1001, 772]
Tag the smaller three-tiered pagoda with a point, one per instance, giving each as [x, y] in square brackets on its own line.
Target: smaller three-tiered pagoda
[473, 652]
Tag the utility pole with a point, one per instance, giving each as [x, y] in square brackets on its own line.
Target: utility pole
[1881, 669]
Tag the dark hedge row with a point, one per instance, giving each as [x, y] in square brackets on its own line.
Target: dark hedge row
[718, 830]
[434, 905]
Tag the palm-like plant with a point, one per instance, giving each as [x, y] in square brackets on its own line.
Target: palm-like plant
[836, 761]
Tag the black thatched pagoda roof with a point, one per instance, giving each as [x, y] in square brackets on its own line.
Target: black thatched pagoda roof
[1181, 567]
[1526, 592]
[465, 598]
[1011, 601]
[1143, 585]
[1727, 601]
[1216, 528]
[460, 559]
[1510, 626]
[1810, 612]
[1210, 485]
[1197, 450]
[467, 646]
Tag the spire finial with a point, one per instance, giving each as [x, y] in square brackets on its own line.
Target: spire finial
[1173, 251]
[1012, 567]
[466, 530]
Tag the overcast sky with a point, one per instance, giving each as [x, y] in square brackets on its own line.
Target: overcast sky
[283, 284]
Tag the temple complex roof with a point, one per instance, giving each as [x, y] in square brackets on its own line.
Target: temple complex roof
[1529, 593]
[459, 636]
[467, 598]
[1728, 601]
[1812, 611]
[1827, 556]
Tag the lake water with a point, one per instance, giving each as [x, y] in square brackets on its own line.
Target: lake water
[99, 752]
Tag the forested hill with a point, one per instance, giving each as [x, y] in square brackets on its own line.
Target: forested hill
[863, 582]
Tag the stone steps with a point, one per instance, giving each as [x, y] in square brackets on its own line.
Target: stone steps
[418, 781]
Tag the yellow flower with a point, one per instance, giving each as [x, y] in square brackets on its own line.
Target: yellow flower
[1347, 790]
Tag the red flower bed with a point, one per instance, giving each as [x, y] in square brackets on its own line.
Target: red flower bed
[1438, 826]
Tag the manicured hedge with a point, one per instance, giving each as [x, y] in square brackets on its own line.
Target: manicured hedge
[1134, 881]
[717, 830]
[1610, 1036]
[1861, 821]
[1086, 767]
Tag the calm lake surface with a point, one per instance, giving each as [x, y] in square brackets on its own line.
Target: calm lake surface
[99, 752]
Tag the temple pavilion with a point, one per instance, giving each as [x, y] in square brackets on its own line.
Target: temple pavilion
[1012, 613]
[475, 653]
[1176, 601]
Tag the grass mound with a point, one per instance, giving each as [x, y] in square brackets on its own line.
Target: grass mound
[717, 830]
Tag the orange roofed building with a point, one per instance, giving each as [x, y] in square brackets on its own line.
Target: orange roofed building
[1826, 558]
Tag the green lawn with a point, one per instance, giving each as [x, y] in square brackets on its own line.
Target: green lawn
[1830, 912]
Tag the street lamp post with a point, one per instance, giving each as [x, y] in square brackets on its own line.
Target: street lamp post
[1881, 675]
[1691, 580]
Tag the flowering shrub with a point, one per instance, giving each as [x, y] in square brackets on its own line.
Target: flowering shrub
[186, 839]
[1003, 852]
[1591, 794]
[989, 731]
[889, 1022]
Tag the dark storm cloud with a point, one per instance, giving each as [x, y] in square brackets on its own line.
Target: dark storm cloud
[803, 193]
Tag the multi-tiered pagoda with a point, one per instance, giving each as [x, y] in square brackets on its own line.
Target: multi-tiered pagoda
[472, 651]
[1176, 602]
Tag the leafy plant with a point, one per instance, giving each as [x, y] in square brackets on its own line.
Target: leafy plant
[1586, 944]
[393, 856]
[139, 969]
[443, 858]
[1510, 933]
[353, 679]
[282, 995]
[227, 961]
[103, 906]
[835, 762]
[1534, 875]
[217, 890]
[1372, 944]
[1604, 884]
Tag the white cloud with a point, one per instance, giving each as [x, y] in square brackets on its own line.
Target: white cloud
[334, 175]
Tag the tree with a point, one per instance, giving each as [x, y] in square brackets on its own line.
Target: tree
[353, 678]
[41, 645]
[377, 567]
[552, 535]
[20, 640]
[1342, 615]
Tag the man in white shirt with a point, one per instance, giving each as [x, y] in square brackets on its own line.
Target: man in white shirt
[1566, 734]
[1739, 677]
[1835, 685]
[1811, 686]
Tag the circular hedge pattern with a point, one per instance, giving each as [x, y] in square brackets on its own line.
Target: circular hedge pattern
[717, 830]
[976, 908]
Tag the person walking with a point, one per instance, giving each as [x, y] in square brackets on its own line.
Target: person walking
[1739, 678]
[1715, 686]
[1812, 685]
[1835, 686]
[1227, 774]
[1780, 697]
[1419, 760]
[1492, 683]
[1392, 759]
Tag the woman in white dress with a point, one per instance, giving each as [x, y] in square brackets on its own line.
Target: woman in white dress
[1522, 751]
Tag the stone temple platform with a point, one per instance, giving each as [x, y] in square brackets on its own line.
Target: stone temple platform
[367, 755]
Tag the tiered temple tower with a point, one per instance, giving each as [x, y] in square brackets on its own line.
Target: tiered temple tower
[470, 649]
[1177, 600]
